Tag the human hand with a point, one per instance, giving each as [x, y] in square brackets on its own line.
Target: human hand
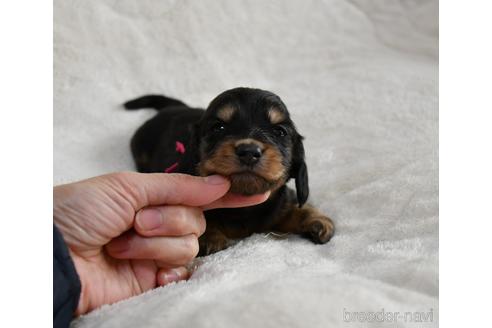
[130, 232]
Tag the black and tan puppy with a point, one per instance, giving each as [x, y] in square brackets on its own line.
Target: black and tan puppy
[246, 135]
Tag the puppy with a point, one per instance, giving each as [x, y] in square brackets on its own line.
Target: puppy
[246, 135]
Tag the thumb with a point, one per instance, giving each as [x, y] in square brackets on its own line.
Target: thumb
[147, 189]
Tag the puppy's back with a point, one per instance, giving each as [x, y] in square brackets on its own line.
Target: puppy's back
[154, 143]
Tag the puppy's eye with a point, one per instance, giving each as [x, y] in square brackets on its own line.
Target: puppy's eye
[280, 131]
[218, 127]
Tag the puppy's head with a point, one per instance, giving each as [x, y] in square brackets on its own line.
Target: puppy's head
[248, 136]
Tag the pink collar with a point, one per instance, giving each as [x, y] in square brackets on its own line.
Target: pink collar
[180, 148]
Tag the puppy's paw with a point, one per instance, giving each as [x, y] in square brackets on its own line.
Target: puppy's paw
[319, 229]
[212, 243]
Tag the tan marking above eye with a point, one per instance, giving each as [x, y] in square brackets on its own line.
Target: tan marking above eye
[226, 113]
[275, 115]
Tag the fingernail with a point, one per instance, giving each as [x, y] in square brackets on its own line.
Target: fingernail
[215, 180]
[149, 219]
[171, 276]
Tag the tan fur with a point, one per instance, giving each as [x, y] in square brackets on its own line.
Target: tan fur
[226, 113]
[269, 174]
[271, 165]
[275, 115]
[224, 161]
[307, 220]
[213, 240]
[250, 141]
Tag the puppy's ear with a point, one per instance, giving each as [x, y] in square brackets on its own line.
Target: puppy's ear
[299, 171]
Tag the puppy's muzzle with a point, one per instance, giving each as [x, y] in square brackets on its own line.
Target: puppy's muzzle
[248, 153]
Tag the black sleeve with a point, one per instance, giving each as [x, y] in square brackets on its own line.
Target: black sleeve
[66, 283]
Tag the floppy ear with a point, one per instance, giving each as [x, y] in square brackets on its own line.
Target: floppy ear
[299, 171]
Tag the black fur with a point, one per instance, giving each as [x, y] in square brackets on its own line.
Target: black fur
[153, 101]
[153, 147]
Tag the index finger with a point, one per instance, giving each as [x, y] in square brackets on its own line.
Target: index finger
[154, 189]
[231, 200]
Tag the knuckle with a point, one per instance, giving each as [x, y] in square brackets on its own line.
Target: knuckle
[179, 220]
[202, 224]
[191, 246]
[188, 220]
[124, 183]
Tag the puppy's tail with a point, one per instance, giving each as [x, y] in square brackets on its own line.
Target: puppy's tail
[152, 101]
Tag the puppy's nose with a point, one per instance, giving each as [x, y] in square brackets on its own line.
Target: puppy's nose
[249, 153]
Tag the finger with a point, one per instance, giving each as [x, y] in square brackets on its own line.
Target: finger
[231, 200]
[170, 220]
[176, 251]
[146, 189]
[145, 271]
[167, 276]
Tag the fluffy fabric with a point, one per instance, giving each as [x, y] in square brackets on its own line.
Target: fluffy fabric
[360, 79]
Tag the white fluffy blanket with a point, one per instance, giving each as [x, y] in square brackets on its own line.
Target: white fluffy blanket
[361, 81]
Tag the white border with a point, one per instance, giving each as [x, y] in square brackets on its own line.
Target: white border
[466, 165]
[26, 134]
[465, 155]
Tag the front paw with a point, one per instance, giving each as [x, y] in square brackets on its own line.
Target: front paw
[212, 243]
[319, 229]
